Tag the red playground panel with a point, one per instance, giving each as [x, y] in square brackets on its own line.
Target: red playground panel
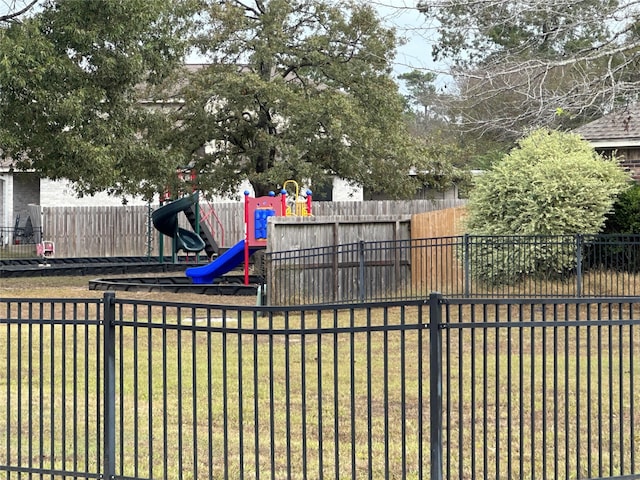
[257, 212]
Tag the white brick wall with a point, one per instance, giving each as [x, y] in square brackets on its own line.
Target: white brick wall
[343, 192]
[61, 194]
[6, 200]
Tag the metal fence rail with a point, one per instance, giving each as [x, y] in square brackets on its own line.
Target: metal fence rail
[437, 388]
[541, 389]
[50, 388]
[20, 235]
[19, 242]
[462, 266]
[292, 394]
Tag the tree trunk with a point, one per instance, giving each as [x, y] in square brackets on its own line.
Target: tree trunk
[262, 190]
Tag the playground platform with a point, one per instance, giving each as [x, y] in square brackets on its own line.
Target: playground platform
[230, 284]
[54, 267]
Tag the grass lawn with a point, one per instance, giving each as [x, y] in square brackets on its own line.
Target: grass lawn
[251, 400]
[27, 250]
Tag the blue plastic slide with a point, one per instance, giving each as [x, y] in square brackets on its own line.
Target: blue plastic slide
[221, 265]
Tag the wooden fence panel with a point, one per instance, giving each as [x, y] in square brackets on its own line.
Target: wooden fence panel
[441, 223]
[97, 231]
[333, 275]
[437, 265]
[296, 233]
[124, 230]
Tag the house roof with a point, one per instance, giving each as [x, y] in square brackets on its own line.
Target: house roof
[618, 129]
[171, 88]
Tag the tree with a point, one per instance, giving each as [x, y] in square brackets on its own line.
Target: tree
[425, 104]
[70, 90]
[297, 89]
[433, 119]
[552, 183]
[625, 214]
[614, 250]
[422, 89]
[552, 63]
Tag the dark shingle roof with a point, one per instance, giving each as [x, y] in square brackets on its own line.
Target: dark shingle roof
[620, 128]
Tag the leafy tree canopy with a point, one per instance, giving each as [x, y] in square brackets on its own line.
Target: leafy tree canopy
[421, 86]
[69, 83]
[435, 119]
[298, 89]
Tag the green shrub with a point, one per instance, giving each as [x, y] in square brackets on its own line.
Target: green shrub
[625, 216]
[552, 183]
[616, 250]
[506, 260]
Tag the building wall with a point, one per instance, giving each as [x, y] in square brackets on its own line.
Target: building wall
[424, 194]
[6, 200]
[59, 193]
[344, 192]
[629, 158]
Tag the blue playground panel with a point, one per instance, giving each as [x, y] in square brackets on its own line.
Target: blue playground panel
[260, 222]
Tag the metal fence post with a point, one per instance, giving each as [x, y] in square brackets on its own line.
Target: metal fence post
[467, 280]
[435, 382]
[578, 265]
[149, 241]
[361, 289]
[109, 388]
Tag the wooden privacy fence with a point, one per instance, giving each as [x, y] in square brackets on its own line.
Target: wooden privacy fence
[296, 233]
[126, 230]
[435, 256]
[318, 259]
[440, 223]
[358, 258]
[97, 231]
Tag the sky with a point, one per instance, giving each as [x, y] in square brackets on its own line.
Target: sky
[410, 24]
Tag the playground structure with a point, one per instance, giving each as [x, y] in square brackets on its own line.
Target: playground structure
[257, 210]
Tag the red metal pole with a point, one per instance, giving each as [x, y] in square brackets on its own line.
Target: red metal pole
[309, 195]
[283, 201]
[246, 237]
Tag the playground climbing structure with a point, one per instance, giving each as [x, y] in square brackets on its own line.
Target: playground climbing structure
[257, 212]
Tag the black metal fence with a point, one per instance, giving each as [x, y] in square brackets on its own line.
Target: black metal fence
[440, 388]
[51, 387]
[19, 242]
[463, 266]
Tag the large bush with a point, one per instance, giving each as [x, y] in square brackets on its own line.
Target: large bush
[552, 183]
[625, 215]
[620, 249]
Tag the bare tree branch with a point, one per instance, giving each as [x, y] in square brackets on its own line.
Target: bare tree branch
[522, 65]
[15, 9]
